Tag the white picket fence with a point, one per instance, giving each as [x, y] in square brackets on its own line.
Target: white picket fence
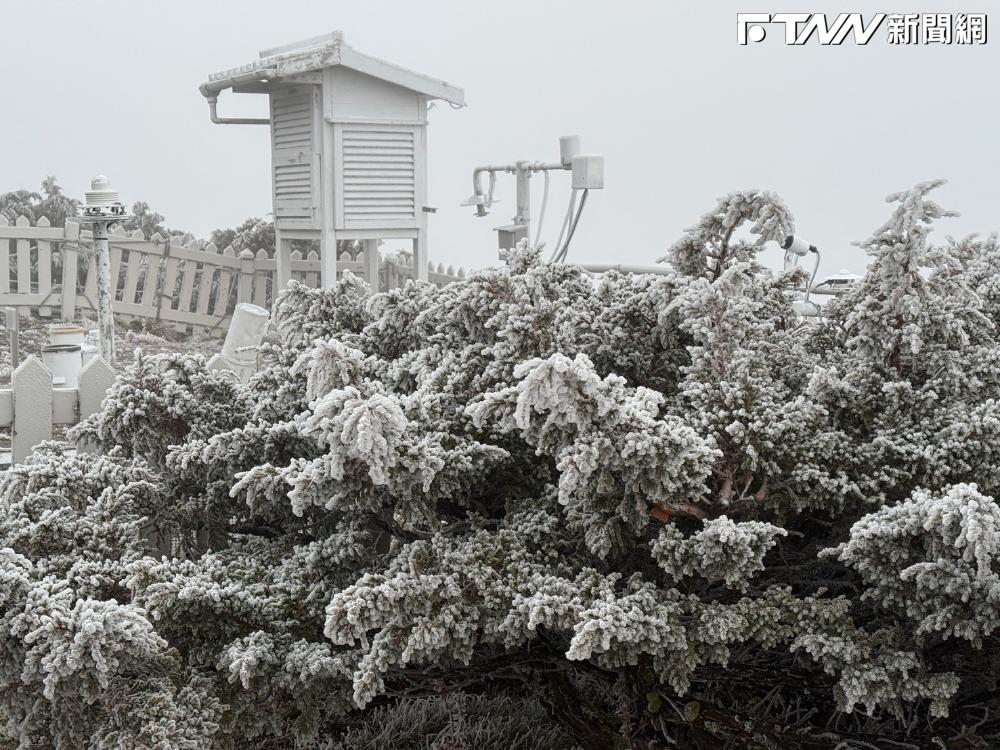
[192, 287]
[32, 405]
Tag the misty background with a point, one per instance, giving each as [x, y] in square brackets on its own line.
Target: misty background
[681, 113]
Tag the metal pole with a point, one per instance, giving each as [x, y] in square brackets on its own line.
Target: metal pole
[12, 328]
[524, 197]
[105, 316]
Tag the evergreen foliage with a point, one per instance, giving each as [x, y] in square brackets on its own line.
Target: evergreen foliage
[533, 509]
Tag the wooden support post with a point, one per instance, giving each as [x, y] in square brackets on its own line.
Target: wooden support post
[328, 234]
[328, 257]
[420, 257]
[371, 264]
[283, 260]
[420, 246]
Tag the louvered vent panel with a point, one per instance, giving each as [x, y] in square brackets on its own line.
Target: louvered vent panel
[292, 140]
[379, 175]
[291, 121]
[292, 181]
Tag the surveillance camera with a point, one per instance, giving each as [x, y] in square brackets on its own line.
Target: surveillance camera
[795, 244]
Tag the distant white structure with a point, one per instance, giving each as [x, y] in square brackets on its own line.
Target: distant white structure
[838, 283]
[348, 145]
[832, 286]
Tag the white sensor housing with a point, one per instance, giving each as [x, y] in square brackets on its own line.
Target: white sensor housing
[588, 172]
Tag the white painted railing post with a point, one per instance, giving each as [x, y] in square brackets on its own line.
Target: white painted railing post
[31, 386]
[244, 292]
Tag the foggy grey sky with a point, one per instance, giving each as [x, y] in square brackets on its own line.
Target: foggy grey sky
[681, 113]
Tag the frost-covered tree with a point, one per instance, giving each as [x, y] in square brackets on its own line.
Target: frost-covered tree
[911, 301]
[52, 203]
[536, 509]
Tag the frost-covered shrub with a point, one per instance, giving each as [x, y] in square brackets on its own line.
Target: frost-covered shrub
[536, 509]
[72, 643]
[722, 551]
[161, 400]
[934, 559]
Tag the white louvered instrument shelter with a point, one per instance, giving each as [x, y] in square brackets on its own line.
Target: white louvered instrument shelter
[348, 145]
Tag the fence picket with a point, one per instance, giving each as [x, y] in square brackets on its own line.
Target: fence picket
[187, 289]
[151, 283]
[115, 254]
[23, 259]
[70, 258]
[207, 276]
[132, 271]
[169, 289]
[90, 283]
[312, 277]
[221, 302]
